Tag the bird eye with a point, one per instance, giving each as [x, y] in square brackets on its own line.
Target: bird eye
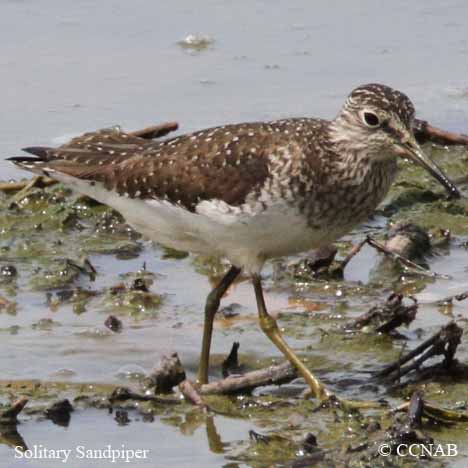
[371, 120]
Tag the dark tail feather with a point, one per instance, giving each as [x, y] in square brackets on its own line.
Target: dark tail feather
[30, 163]
[24, 159]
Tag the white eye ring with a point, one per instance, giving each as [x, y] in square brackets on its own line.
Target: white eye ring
[371, 119]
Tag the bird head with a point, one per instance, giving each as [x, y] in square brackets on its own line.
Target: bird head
[377, 121]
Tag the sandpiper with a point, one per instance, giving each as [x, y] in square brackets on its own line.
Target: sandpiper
[248, 192]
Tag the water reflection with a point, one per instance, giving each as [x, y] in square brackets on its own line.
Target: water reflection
[10, 437]
[193, 423]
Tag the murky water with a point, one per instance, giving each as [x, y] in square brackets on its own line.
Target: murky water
[70, 67]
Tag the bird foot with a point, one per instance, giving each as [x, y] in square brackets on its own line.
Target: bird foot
[333, 401]
[330, 400]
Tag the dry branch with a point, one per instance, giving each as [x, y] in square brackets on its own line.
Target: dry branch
[424, 132]
[233, 384]
[273, 375]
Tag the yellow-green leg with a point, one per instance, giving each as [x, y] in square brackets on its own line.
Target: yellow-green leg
[269, 326]
[211, 307]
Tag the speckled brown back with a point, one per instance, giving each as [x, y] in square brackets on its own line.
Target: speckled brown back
[226, 163]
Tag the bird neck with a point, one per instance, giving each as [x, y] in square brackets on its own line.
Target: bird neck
[352, 155]
[346, 136]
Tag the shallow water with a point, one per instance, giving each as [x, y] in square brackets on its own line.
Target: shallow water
[164, 443]
[65, 69]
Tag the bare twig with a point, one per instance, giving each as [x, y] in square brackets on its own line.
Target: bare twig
[399, 258]
[404, 241]
[273, 375]
[425, 132]
[444, 342]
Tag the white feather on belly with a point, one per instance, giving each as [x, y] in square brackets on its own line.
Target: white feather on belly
[216, 228]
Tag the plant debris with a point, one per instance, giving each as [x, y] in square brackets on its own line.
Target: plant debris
[387, 317]
[113, 323]
[168, 374]
[60, 412]
[444, 342]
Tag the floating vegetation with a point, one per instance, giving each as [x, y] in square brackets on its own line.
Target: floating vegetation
[196, 42]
